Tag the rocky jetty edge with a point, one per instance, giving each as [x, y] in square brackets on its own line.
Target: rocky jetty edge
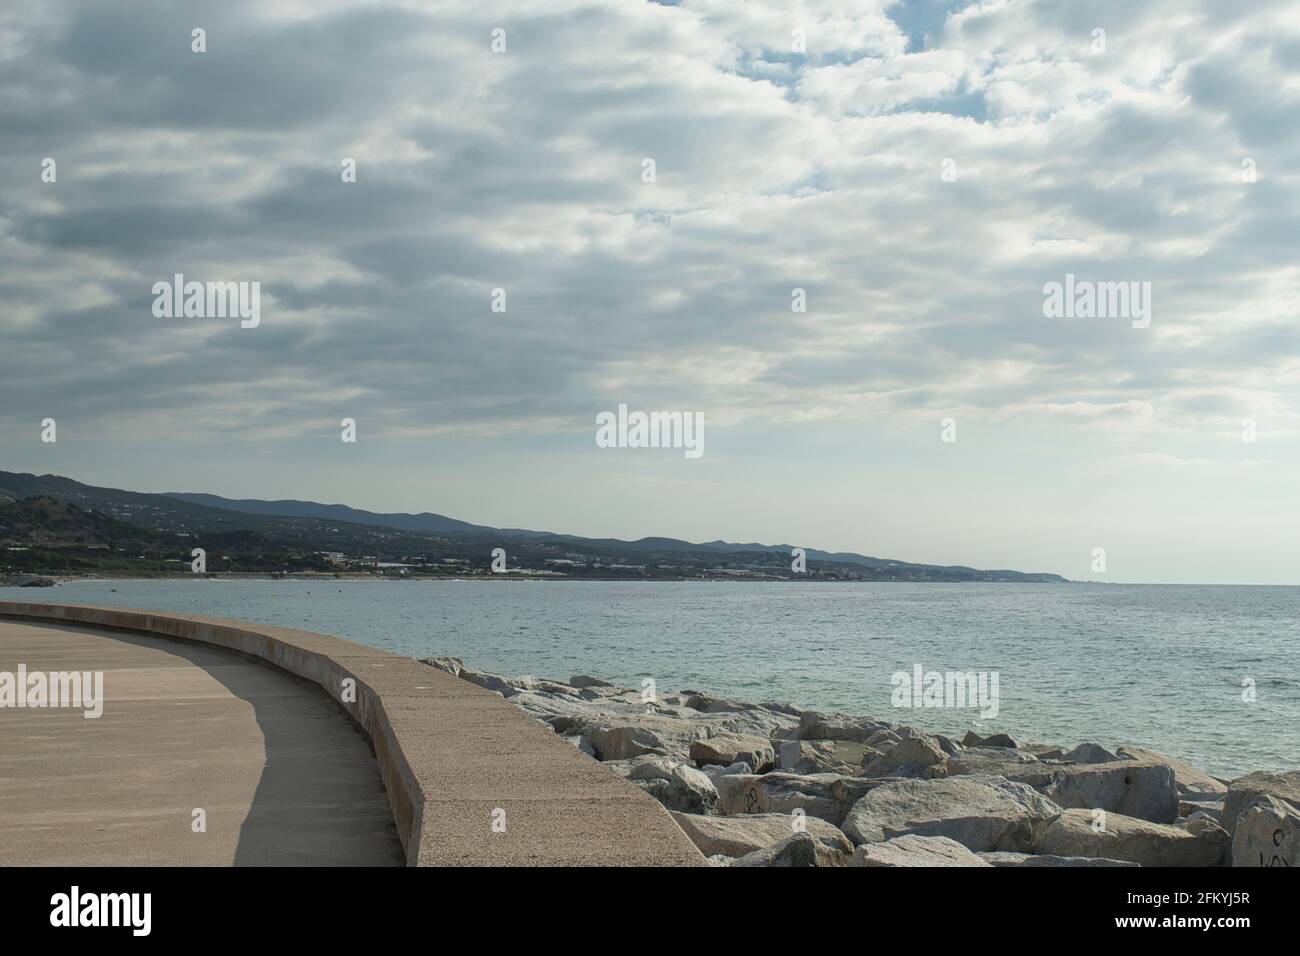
[770, 785]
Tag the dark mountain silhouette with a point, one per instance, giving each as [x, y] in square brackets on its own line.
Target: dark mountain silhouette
[437, 541]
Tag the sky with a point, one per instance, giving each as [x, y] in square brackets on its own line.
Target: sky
[921, 171]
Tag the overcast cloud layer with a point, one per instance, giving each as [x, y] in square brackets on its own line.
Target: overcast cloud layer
[775, 170]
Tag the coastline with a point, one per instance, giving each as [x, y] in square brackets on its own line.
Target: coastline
[510, 575]
[768, 784]
[525, 575]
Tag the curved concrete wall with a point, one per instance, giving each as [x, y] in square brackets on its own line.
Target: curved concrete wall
[452, 755]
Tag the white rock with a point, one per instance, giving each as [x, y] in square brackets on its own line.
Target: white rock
[913, 850]
[981, 813]
[910, 757]
[1134, 788]
[714, 771]
[801, 849]
[675, 784]
[1003, 858]
[726, 748]
[815, 794]
[736, 836]
[1019, 765]
[622, 737]
[815, 726]
[583, 680]
[1267, 835]
[1244, 791]
[1078, 833]
[1191, 783]
[811, 756]
[1091, 753]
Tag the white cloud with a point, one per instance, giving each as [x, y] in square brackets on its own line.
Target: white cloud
[775, 170]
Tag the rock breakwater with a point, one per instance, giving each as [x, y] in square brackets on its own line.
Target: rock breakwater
[767, 784]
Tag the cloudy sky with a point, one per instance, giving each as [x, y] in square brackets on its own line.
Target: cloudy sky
[1123, 157]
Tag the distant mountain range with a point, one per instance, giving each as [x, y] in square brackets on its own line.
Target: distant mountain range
[429, 543]
[425, 521]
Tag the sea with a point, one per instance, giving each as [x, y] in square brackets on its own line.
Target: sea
[1208, 674]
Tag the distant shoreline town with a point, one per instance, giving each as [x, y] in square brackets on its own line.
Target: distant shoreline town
[56, 527]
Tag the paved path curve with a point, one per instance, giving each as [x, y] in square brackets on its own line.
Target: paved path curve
[247, 722]
[282, 774]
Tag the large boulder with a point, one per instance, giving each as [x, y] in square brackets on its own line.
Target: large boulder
[1134, 788]
[726, 749]
[594, 694]
[981, 813]
[815, 726]
[813, 756]
[506, 686]
[677, 785]
[849, 790]
[619, 738]
[1044, 751]
[564, 714]
[1191, 783]
[714, 771]
[1267, 834]
[973, 739]
[1213, 807]
[718, 705]
[736, 836]
[800, 849]
[585, 680]
[949, 746]
[882, 740]
[814, 794]
[1091, 753]
[1018, 765]
[759, 723]
[1114, 836]
[569, 711]
[758, 720]
[910, 757]
[1244, 791]
[1002, 858]
[913, 850]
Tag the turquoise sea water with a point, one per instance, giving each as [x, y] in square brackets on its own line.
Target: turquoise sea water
[1148, 665]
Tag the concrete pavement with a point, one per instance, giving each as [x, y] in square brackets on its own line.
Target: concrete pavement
[281, 773]
[470, 779]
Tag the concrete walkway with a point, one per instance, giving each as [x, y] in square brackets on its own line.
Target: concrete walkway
[282, 774]
[251, 723]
